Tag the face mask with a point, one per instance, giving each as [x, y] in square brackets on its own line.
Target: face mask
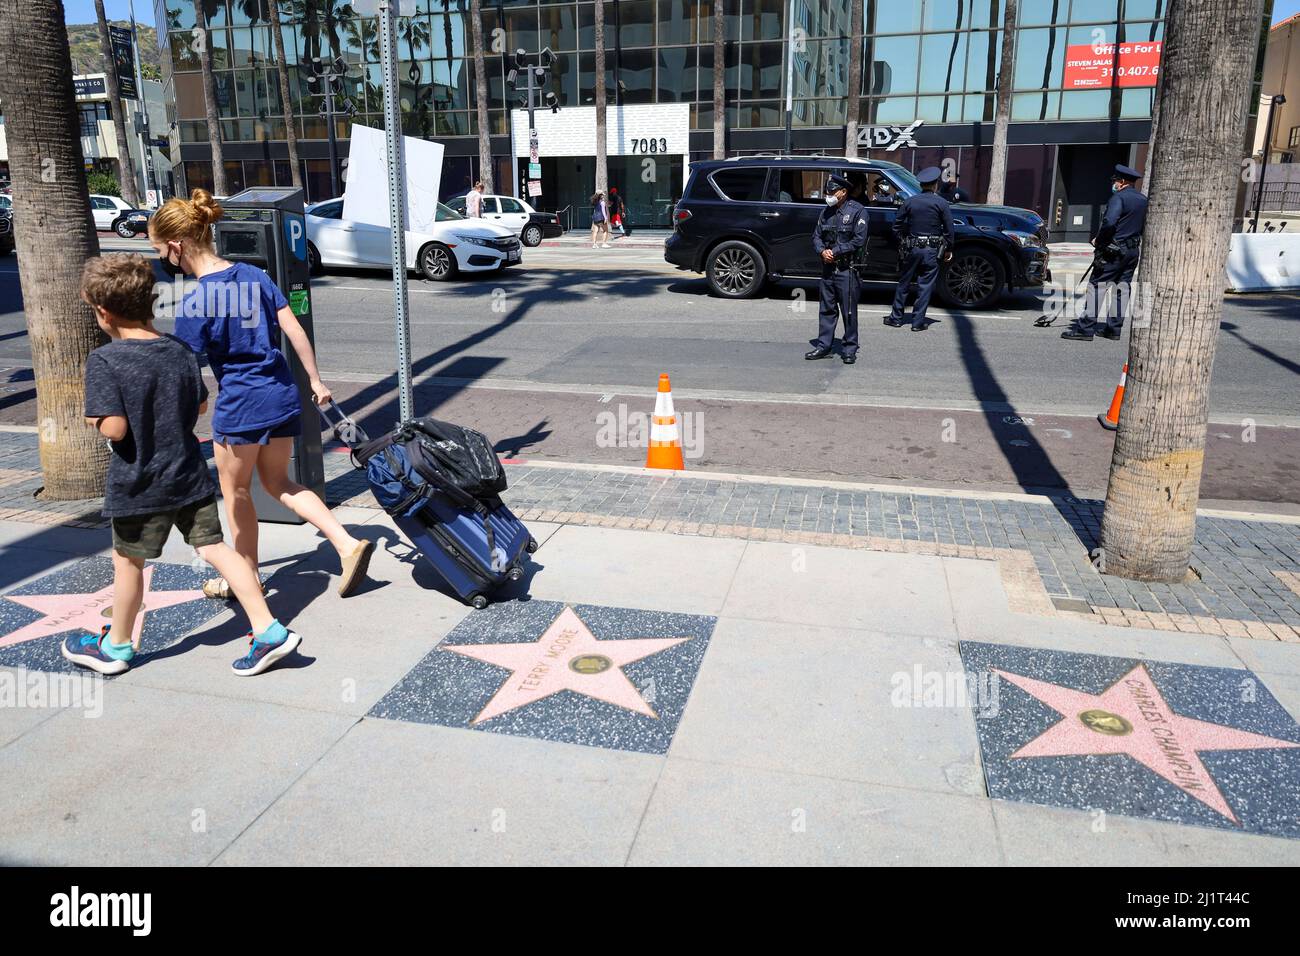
[169, 267]
[832, 199]
[1116, 187]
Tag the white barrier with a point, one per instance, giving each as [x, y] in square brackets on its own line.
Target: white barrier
[1260, 262]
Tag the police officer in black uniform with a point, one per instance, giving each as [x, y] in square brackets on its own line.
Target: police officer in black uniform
[923, 228]
[1118, 243]
[840, 237]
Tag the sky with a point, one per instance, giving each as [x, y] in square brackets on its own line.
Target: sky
[83, 11]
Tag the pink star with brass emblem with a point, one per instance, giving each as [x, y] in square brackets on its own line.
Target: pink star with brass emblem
[67, 612]
[1131, 717]
[566, 657]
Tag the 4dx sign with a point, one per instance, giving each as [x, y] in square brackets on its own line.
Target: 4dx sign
[651, 145]
[888, 138]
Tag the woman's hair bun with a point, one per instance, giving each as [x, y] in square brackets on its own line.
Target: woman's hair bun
[205, 207]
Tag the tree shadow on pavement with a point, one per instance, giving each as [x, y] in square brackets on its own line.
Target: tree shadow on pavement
[1231, 328]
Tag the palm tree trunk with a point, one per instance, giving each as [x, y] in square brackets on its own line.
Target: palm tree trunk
[602, 168]
[51, 203]
[126, 162]
[481, 97]
[282, 68]
[1149, 524]
[1002, 118]
[855, 78]
[210, 103]
[719, 81]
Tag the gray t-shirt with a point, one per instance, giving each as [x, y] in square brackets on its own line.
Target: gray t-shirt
[155, 384]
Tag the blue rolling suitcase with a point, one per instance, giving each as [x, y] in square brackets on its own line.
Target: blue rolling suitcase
[475, 544]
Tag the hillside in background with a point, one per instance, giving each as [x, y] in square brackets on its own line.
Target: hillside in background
[83, 42]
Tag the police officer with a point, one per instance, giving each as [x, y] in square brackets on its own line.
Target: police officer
[841, 235]
[951, 192]
[923, 228]
[1118, 243]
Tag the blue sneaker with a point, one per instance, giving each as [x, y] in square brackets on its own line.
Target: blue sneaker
[87, 650]
[265, 649]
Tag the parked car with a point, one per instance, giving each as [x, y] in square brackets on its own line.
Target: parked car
[516, 215]
[749, 220]
[121, 217]
[6, 231]
[455, 245]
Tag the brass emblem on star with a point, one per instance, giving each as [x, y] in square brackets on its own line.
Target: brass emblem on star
[1104, 722]
[590, 664]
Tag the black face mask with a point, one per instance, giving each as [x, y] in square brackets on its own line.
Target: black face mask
[168, 266]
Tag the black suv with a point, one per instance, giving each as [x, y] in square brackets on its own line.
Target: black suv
[748, 220]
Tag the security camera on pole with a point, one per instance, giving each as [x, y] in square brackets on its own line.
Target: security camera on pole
[529, 80]
[325, 81]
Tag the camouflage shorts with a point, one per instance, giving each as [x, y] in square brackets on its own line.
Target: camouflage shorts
[143, 536]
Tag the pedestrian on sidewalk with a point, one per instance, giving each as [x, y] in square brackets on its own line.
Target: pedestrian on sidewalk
[144, 393]
[599, 222]
[619, 209]
[236, 316]
[474, 201]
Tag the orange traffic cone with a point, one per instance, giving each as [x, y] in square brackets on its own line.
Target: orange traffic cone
[1110, 419]
[665, 437]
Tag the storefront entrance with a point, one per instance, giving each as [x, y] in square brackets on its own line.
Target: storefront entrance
[650, 187]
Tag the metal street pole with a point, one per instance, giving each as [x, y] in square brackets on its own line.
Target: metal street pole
[324, 77]
[388, 13]
[789, 85]
[146, 148]
[1273, 104]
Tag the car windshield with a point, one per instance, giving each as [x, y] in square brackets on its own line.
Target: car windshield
[447, 214]
[905, 178]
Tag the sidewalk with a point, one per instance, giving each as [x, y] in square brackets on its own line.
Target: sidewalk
[698, 669]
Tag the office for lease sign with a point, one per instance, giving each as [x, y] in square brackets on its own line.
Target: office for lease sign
[1088, 67]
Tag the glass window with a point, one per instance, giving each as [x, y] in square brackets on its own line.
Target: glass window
[329, 210]
[1041, 12]
[678, 21]
[895, 109]
[587, 79]
[1091, 11]
[1040, 59]
[802, 186]
[219, 43]
[894, 18]
[761, 70]
[184, 56]
[823, 69]
[761, 115]
[894, 62]
[817, 113]
[509, 205]
[636, 19]
[823, 18]
[946, 15]
[1135, 103]
[1085, 104]
[983, 60]
[731, 16]
[521, 31]
[986, 13]
[1035, 106]
[677, 75]
[636, 76]
[944, 55]
[743, 184]
[559, 27]
[490, 206]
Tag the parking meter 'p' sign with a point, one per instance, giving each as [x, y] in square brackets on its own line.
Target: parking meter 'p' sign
[295, 236]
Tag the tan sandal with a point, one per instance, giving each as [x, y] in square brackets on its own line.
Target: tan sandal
[219, 589]
[355, 566]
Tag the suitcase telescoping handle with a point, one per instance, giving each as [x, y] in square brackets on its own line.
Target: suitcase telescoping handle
[345, 429]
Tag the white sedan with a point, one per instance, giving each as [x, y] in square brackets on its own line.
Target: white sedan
[456, 244]
[516, 215]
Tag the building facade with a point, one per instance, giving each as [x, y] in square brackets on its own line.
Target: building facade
[1083, 86]
[99, 141]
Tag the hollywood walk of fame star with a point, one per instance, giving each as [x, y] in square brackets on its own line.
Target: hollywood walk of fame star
[67, 612]
[1131, 717]
[566, 657]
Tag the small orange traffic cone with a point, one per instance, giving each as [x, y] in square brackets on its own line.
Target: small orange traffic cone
[1110, 418]
[665, 437]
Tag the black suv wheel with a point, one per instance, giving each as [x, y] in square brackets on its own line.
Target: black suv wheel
[735, 270]
[974, 279]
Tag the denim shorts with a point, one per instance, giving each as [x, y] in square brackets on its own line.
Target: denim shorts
[289, 428]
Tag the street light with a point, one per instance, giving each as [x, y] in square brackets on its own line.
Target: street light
[1276, 101]
[326, 81]
[529, 80]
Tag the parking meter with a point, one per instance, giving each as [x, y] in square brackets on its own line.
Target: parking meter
[264, 226]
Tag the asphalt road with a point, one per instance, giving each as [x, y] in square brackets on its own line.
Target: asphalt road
[542, 357]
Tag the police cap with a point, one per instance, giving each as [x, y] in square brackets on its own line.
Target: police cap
[836, 183]
[1126, 172]
[931, 174]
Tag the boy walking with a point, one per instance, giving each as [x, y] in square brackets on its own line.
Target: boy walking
[144, 394]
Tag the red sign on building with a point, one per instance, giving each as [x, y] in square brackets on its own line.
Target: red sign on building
[1089, 67]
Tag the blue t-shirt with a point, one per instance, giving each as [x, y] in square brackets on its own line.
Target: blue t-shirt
[231, 317]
